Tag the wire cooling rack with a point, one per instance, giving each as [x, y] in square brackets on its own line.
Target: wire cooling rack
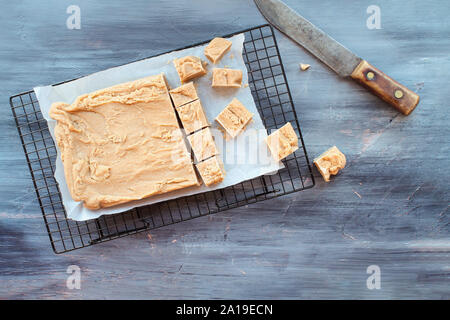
[270, 91]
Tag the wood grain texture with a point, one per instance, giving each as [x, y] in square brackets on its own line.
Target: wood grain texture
[388, 207]
[394, 93]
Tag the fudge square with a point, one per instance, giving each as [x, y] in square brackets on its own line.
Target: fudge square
[282, 142]
[202, 142]
[189, 67]
[192, 116]
[215, 50]
[183, 94]
[226, 78]
[211, 170]
[330, 162]
[234, 117]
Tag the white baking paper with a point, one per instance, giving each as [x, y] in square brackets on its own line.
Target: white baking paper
[244, 157]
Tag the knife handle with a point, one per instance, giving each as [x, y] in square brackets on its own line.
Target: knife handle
[397, 95]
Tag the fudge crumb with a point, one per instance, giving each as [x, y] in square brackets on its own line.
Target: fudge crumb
[304, 66]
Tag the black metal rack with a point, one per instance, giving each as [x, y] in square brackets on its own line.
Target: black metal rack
[268, 84]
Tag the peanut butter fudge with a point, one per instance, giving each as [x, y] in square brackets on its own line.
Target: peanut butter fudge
[234, 118]
[226, 78]
[189, 67]
[192, 116]
[183, 94]
[211, 171]
[330, 162]
[122, 143]
[202, 142]
[215, 50]
[304, 66]
[282, 142]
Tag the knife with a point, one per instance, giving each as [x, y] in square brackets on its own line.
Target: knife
[344, 62]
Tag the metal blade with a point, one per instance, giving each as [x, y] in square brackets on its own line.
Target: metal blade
[325, 48]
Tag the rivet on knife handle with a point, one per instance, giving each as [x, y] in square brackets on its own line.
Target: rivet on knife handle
[400, 97]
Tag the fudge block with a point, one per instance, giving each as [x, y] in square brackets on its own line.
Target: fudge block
[226, 78]
[203, 145]
[234, 117]
[211, 170]
[215, 50]
[122, 143]
[189, 67]
[330, 162]
[282, 142]
[192, 116]
[183, 94]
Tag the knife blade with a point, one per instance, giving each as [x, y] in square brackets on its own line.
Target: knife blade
[340, 59]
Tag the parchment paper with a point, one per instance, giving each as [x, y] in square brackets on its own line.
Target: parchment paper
[245, 157]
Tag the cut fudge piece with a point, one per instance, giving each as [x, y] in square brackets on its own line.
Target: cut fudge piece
[192, 116]
[211, 170]
[226, 78]
[122, 143]
[215, 50]
[330, 162]
[202, 142]
[234, 117]
[183, 94]
[282, 142]
[189, 67]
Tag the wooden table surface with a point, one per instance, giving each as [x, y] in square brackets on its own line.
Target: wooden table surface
[389, 207]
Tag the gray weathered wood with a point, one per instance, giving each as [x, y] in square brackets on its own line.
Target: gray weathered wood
[389, 207]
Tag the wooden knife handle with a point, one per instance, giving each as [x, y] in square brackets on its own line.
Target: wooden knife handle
[400, 97]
